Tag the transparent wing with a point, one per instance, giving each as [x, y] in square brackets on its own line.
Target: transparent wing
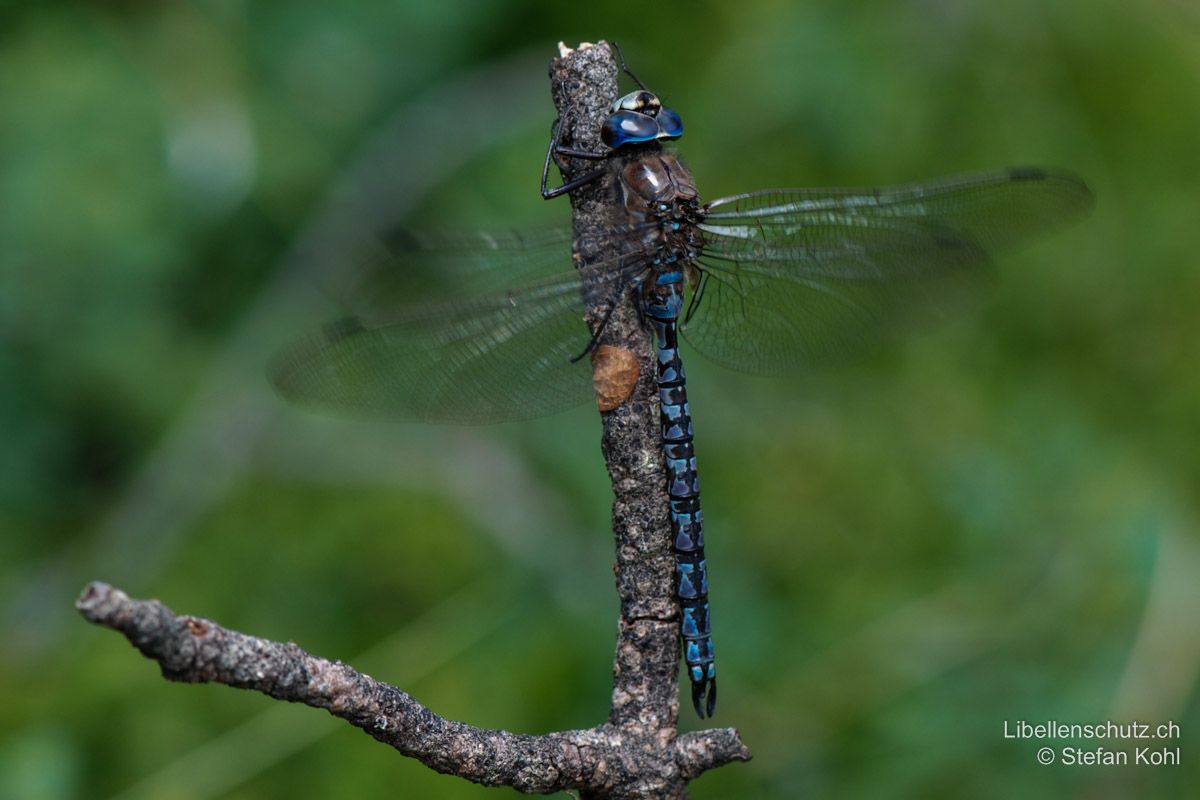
[407, 267]
[794, 276]
[437, 334]
[502, 355]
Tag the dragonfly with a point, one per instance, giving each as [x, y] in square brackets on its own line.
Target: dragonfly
[488, 326]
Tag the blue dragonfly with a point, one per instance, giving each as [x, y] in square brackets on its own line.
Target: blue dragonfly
[483, 327]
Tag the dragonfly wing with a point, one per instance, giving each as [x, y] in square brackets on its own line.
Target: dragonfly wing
[405, 267]
[798, 275]
[499, 356]
[762, 317]
[998, 210]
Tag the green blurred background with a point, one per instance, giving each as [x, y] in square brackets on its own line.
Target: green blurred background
[993, 522]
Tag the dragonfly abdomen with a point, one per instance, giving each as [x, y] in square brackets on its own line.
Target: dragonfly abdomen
[660, 201]
[662, 303]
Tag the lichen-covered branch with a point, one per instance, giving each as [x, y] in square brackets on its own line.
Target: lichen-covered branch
[195, 650]
[596, 762]
[637, 752]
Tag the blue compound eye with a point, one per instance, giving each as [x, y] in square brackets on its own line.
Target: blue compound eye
[669, 124]
[625, 127]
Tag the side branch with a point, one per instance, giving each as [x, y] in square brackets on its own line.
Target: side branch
[196, 650]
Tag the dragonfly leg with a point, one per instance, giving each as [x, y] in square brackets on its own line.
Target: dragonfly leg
[641, 312]
[616, 48]
[556, 150]
[573, 153]
[697, 296]
[613, 302]
[572, 185]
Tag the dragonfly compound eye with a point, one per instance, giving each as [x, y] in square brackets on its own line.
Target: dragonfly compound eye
[670, 126]
[626, 127]
[629, 127]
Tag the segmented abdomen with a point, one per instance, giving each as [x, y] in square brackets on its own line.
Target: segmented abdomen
[663, 303]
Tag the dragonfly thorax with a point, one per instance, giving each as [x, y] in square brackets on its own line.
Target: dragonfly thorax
[656, 185]
[661, 204]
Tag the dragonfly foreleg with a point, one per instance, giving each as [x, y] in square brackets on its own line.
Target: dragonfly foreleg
[554, 149]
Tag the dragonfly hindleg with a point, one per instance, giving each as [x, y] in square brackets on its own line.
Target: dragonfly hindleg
[613, 301]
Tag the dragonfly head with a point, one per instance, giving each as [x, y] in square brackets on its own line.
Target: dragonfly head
[639, 117]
